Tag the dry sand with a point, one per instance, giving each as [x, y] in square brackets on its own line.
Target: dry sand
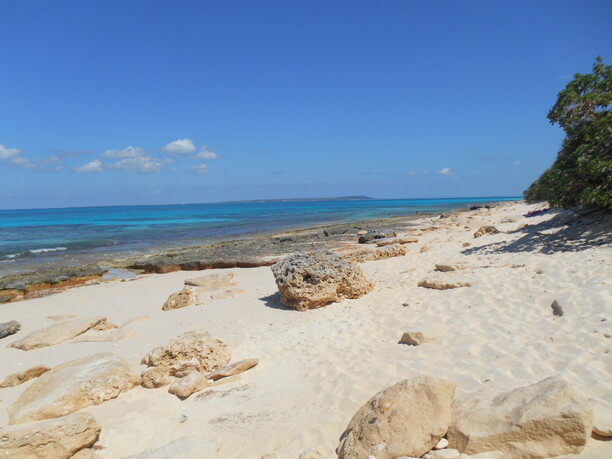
[316, 368]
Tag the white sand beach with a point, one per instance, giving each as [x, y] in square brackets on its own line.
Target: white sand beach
[317, 367]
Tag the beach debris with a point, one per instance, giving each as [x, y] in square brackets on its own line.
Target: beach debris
[382, 253]
[186, 297]
[19, 378]
[424, 249]
[215, 281]
[57, 438]
[397, 240]
[60, 332]
[486, 230]
[154, 377]
[190, 352]
[187, 385]
[414, 338]
[556, 309]
[406, 419]
[548, 418]
[444, 282]
[72, 386]
[9, 328]
[311, 280]
[233, 369]
[311, 453]
[375, 235]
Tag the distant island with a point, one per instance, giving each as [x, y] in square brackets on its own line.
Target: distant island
[336, 198]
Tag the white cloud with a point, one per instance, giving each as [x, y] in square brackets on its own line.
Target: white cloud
[90, 167]
[446, 171]
[142, 164]
[6, 153]
[127, 152]
[201, 168]
[205, 153]
[180, 147]
[516, 163]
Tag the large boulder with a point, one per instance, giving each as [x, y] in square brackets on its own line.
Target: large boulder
[545, 419]
[312, 280]
[406, 419]
[190, 352]
[73, 385]
[59, 332]
[57, 438]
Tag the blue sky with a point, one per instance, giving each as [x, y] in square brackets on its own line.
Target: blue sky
[128, 102]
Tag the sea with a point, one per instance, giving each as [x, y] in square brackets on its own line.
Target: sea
[32, 239]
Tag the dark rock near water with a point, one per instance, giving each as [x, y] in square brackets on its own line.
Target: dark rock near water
[9, 328]
[374, 235]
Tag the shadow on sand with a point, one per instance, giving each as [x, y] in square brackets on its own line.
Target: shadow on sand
[566, 231]
[274, 301]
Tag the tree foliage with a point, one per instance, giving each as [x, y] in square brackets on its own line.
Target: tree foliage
[582, 172]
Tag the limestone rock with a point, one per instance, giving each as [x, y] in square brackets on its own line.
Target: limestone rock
[8, 328]
[56, 438]
[73, 385]
[448, 267]
[186, 297]
[58, 333]
[413, 338]
[154, 377]
[444, 283]
[545, 419]
[375, 235]
[312, 280]
[187, 385]
[19, 378]
[397, 240]
[211, 353]
[233, 369]
[406, 419]
[311, 453]
[485, 230]
[215, 281]
[449, 453]
[382, 253]
[424, 249]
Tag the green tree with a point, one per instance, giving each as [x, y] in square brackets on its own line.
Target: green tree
[582, 172]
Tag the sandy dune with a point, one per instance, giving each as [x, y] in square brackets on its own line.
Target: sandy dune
[316, 368]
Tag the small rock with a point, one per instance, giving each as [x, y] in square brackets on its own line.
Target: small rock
[233, 369]
[186, 297]
[439, 284]
[8, 328]
[556, 309]
[466, 244]
[183, 418]
[374, 235]
[155, 377]
[424, 249]
[485, 230]
[397, 240]
[19, 378]
[311, 453]
[412, 338]
[443, 443]
[186, 386]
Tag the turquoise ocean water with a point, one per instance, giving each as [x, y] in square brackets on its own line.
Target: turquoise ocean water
[47, 236]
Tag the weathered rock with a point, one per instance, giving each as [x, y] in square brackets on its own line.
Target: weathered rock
[424, 249]
[439, 283]
[545, 419]
[397, 240]
[556, 309]
[186, 297]
[58, 333]
[382, 253]
[442, 454]
[56, 438]
[448, 267]
[19, 378]
[73, 385]
[406, 419]
[154, 377]
[215, 281]
[187, 385]
[413, 338]
[312, 280]
[311, 453]
[233, 369]
[211, 353]
[376, 234]
[485, 230]
[8, 328]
